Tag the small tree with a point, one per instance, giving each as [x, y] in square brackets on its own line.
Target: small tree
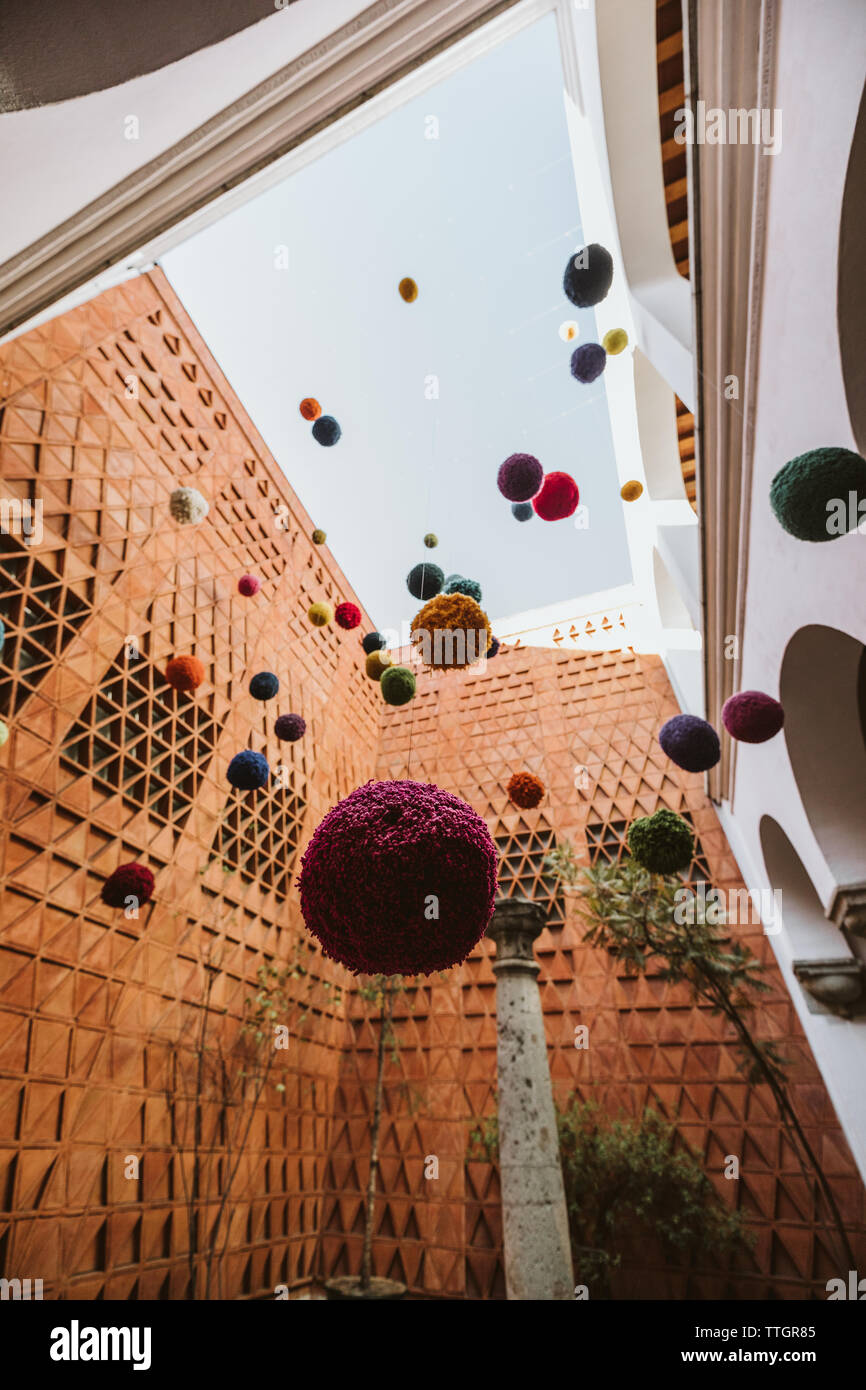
[380, 991]
[214, 1087]
[631, 914]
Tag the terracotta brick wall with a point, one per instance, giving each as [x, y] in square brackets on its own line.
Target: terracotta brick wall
[586, 723]
[103, 411]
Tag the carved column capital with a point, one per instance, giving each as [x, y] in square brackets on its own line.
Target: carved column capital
[514, 926]
[848, 909]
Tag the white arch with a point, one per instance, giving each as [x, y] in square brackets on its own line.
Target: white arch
[821, 691]
[809, 934]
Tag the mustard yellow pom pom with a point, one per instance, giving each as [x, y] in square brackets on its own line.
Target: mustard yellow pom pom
[408, 289]
[451, 630]
[615, 341]
[631, 491]
[319, 537]
[320, 614]
[376, 663]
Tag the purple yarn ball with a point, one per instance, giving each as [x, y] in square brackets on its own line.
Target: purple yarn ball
[519, 477]
[588, 361]
[752, 717]
[289, 727]
[691, 743]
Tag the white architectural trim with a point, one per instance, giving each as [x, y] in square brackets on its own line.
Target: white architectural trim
[735, 46]
[619, 76]
[384, 43]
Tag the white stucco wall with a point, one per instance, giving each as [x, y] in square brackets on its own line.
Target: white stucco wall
[57, 159]
[801, 405]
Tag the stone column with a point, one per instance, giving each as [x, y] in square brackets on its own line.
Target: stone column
[534, 1218]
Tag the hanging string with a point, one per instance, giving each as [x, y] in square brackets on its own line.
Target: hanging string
[430, 473]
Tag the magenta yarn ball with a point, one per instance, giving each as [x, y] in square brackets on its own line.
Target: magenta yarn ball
[399, 879]
[519, 477]
[128, 881]
[752, 717]
[248, 585]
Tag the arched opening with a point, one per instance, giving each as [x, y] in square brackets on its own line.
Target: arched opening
[810, 935]
[851, 302]
[822, 691]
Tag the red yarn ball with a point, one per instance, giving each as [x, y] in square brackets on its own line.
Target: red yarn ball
[752, 717]
[525, 790]
[184, 673]
[128, 881]
[347, 615]
[380, 861]
[248, 585]
[558, 497]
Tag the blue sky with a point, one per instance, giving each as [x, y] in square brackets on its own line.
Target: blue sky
[484, 219]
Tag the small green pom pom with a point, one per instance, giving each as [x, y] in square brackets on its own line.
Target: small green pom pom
[397, 685]
[662, 843]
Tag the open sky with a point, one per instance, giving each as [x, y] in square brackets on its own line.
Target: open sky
[296, 295]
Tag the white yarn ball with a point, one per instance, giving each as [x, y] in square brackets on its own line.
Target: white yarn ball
[187, 506]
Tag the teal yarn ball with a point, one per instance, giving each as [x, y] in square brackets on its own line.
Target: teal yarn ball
[397, 685]
[662, 843]
[458, 585]
[817, 496]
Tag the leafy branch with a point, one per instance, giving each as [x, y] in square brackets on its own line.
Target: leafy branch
[632, 915]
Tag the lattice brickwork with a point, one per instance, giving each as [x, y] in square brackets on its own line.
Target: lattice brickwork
[104, 411]
[585, 723]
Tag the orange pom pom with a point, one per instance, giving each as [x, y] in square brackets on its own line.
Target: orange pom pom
[184, 673]
[525, 790]
[310, 408]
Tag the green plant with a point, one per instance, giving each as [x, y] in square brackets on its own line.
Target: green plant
[631, 914]
[626, 1182]
[484, 1141]
[563, 864]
